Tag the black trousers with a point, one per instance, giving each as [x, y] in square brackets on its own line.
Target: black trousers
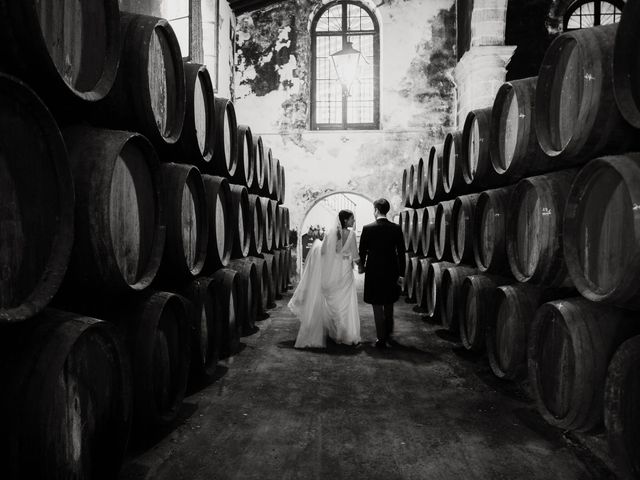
[383, 316]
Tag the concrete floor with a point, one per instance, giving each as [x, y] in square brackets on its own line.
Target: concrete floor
[426, 410]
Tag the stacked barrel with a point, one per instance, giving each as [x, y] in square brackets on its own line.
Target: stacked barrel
[524, 239]
[128, 193]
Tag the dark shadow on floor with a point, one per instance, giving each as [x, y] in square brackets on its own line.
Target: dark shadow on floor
[196, 385]
[400, 351]
[465, 354]
[250, 331]
[332, 348]
[447, 335]
[433, 320]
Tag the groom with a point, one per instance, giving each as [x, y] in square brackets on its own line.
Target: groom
[382, 261]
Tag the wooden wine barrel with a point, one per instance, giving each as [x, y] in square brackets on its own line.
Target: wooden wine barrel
[266, 186]
[196, 144]
[36, 203]
[284, 268]
[256, 217]
[534, 229]
[421, 174]
[570, 344]
[515, 152]
[257, 186]
[477, 300]
[276, 180]
[157, 328]
[477, 170]
[600, 233]
[272, 185]
[276, 224]
[149, 93]
[227, 298]
[413, 181]
[451, 285]
[272, 275]
[225, 157]
[427, 230]
[221, 231]
[277, 262]
[576, 114]
[489, 239]
[273, 265]
[284, 230]
[248, 293]
[245, 165]
[187, 222]
[435, 187]
[516, 306]
[620, 406]
[205, 327]
[406, 188]
[264, 282]
[418, 230]
[406, 220]
[452, 177]
[281, 185]
[120, 235]
[69, 54]
[267, 240]
[625, 65]
[461, 233]
[66, 383]
[412, 280]
[241, 221]
[433, 288]
[408, 277]
[421, 281]
[442, 230]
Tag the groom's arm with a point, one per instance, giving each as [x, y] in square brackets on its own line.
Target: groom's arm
[363, 249]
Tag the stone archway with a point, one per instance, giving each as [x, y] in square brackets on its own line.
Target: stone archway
[366, 202]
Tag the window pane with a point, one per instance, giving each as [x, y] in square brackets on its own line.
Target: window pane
[335, 18]
[358, 19]
[181, 28]
[176, 8]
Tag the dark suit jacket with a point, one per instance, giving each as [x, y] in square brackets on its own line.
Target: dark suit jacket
[382, 256]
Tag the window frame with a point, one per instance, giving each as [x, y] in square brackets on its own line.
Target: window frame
[619, 4]
[189, 17]
[344, 33]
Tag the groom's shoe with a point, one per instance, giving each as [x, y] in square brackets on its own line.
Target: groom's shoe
[381, 344]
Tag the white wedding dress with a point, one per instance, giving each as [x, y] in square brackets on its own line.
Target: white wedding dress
[325, 300]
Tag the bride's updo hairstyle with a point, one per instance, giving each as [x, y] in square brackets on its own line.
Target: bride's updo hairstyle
[344, 216]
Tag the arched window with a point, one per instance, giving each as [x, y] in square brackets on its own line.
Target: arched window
[332, 106]
[590, 13]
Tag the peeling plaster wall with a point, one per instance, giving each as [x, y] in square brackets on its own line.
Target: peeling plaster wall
[272, 96]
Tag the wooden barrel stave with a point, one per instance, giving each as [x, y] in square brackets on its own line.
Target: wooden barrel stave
[221, 232]
[36, 203]
[570, 344]
[267, 241]
[451, 285]
[248, 293]
[433, 289]
[442, 230]
[197, 141]
[120, 236]
[421, 182]
[227, 300]
[149, 94]
[515, 152]
[435, 188]
[534, 229]
[276, 224]
[477, 170]
[461, 228]
[205, 328]
[187, 223]
[264, 285]
[245, 165]
[477, 299]
[273, 266]
[241, 221]
[257, 185]
[577, 118]
[256, 217]
[225, 157]
[452, 176]
[620, 404]
[516, 306]
[489, 238]
[599, 232]
[69, 55]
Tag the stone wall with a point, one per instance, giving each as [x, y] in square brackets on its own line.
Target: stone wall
[417, 102]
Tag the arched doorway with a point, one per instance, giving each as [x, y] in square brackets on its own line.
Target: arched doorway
[324, 211]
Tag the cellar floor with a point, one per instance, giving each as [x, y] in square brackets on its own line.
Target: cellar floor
[423, 410]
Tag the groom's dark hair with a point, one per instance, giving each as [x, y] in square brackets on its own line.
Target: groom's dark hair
[382, 205]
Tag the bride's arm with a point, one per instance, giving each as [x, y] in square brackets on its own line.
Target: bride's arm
[353, 247]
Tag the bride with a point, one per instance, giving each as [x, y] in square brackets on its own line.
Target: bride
[325, 300]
